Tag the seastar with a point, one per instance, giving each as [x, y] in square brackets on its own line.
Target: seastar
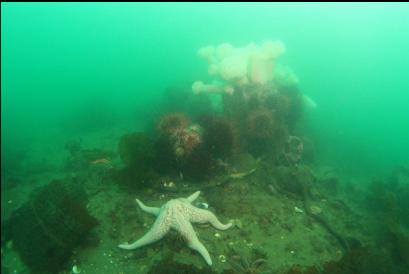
[178, 214]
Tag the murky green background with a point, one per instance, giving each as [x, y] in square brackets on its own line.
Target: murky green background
[77, 77]
[353, 60]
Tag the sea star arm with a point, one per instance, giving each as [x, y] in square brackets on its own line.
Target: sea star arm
[193, 197]
[186, 230]
[207, 216]
[152, 210]
[158, 230]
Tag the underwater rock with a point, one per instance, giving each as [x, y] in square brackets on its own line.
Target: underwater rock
[183, 136]
[293, 150]
[309, 152]
[244, 162]
[138, 153]
[289, 106]
[236, 108]
[171, 123]
[385, 200]
[396, 240]
[250, 261]
[389, 198]
[291, 181]
[191, 149]
[169, 266]
[136, 150]
[219, 136]
[265, 132]
[135, 178]
[199, 165]
[362, 260]
[49, 226]
[187, 140]
[165, 160]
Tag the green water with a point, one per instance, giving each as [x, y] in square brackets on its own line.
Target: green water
[117, 59]
[351, 59]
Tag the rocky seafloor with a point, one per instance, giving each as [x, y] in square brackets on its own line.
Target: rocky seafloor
[287, 219]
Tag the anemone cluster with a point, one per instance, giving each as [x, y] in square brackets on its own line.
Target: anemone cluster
[183, 136]
[235, 67]
[261, 108]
